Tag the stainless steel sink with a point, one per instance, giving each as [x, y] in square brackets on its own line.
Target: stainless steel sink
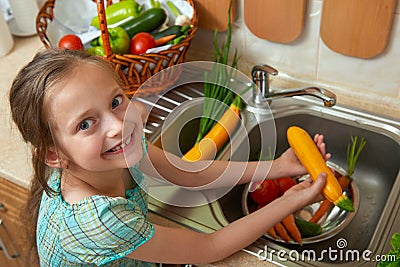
[377, 175]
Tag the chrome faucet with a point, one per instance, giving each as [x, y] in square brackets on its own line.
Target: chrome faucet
[262, 92]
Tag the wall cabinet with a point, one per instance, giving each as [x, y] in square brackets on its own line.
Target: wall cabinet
[12, 231]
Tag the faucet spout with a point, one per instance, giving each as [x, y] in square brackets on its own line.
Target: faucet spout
[326, 96]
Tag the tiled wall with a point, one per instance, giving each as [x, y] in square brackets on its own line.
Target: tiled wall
[308, 59]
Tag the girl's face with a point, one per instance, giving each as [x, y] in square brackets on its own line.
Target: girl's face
[95, 126]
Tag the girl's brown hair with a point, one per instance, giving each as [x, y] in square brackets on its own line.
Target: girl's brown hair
[29, 94]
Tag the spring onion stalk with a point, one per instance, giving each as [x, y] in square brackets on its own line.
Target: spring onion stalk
[217, 96]
[353, 152]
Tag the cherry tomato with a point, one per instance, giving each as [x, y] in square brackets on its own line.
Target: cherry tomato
[141, 42]
[285, 183]
[266, 192]
[71, 42]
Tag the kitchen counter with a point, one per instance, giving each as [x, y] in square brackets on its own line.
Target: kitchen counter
[15, 162]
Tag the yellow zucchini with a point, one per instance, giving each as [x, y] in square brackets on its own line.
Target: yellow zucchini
[216, 138]
[309, 155]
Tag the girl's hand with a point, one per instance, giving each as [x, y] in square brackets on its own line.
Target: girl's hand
[307, 192]
[294, 166]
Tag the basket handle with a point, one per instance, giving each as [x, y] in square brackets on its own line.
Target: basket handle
[103, 28]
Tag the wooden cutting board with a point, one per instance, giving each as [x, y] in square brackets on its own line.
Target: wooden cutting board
[358, 28]
[213, 14]
[280, 21]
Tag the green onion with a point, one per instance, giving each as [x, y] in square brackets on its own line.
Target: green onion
[353, 153]
[216, 87]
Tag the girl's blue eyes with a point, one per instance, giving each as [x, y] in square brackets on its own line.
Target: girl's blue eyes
[116, 102]
[84, 125]
[87, 123]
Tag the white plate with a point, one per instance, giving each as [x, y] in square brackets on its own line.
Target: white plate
[16, 31]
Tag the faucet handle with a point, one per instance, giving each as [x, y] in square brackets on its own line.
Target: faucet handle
[263, 69]
[260, 77]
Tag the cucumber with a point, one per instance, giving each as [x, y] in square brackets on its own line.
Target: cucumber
[148, 21]
[175, 29]
[308, 229]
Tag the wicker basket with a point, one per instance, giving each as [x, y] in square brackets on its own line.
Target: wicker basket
[133, 69]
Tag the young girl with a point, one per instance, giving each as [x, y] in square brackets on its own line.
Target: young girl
[87, 141]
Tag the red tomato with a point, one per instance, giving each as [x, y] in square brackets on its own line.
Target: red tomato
[141, 42]
[71, 42]
[265, 192]
[285, 183]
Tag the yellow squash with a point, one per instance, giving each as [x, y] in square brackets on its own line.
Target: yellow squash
[311, 158]
[216, 138]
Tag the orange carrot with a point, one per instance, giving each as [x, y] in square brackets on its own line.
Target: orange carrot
[322, 209]
[344, 181]
[326, 204]
[291, 227]
[272, 233]
[281, 231]
[165, 39]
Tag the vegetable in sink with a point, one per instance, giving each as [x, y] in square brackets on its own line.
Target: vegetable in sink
[352, 157]
[310, 157]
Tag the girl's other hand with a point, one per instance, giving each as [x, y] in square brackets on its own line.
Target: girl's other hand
[307, 192]
[293, 164]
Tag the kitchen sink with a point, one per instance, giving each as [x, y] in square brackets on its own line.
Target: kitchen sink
[376, 176]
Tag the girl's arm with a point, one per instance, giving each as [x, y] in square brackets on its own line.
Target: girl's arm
[213, 173]
[171, 245]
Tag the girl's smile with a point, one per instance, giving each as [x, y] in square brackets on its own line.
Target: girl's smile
[121, 147]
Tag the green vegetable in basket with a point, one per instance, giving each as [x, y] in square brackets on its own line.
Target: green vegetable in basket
[119, 40]
[119, 11]
[148, 21]
[175, 29]
[95, 51]
[177, 40]
[119, 43]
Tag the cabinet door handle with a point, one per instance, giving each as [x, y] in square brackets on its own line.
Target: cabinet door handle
[7, 240]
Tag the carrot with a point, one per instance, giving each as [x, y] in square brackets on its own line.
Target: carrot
[326, 204]
[272, 232]
[213, 141]
[281, 231]
[322, 209]
[165, 39]
[291, 227]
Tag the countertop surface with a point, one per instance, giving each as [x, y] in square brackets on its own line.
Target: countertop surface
[15, 161]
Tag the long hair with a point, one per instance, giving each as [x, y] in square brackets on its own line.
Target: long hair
[29, 96]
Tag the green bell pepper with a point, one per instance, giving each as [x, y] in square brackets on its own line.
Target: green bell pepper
[119, 11]
[119, 40]
[95, 50]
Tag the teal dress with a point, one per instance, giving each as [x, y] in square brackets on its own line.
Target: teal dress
[96, 231]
